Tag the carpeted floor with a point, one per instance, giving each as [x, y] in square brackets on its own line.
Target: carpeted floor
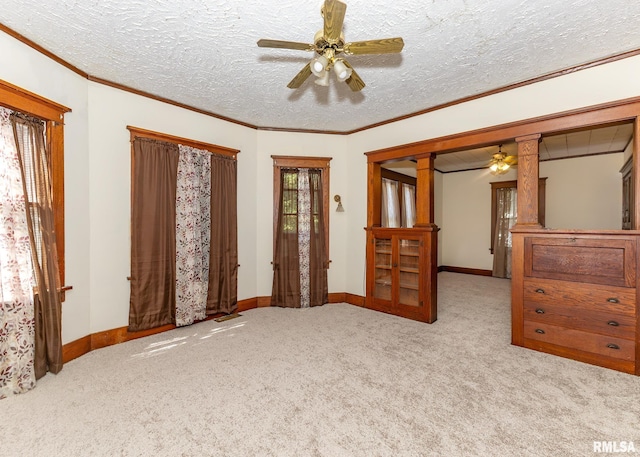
[332, 381]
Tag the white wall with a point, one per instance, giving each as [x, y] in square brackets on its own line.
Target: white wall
[97, 174]
[604, 83]
[302, 144]
[111, 111]
[581, 193]
[32, 71]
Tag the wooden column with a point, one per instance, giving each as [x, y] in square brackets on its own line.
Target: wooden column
[528, 218]
[528, 174]
[425, 212]
[374, 197]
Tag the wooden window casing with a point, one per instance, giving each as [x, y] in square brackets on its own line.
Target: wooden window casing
[18, 99]
[322, 163]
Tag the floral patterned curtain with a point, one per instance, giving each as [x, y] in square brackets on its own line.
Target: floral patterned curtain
[17, 325]
[193, 233]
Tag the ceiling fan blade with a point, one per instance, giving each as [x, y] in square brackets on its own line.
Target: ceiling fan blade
[334, 12]
[511, 160]
[354, 81]
[300, 77]
[383, 46]
[280, 44]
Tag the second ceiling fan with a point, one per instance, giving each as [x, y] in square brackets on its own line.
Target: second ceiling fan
[329, 43]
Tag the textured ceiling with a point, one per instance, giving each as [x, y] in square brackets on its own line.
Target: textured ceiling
[204, 54]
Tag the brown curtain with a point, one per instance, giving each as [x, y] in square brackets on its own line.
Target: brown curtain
[222, 295]
[286, 265]
[153, 240]
[506, 200]
[36, 177]
[318, 264]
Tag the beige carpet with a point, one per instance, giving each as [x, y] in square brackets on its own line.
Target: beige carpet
[333, 381]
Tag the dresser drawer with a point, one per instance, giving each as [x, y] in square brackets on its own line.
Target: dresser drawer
[592, 297]
[618, 325]
[582, 259]
[609, 346]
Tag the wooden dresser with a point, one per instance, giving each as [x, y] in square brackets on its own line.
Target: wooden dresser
[575, 295]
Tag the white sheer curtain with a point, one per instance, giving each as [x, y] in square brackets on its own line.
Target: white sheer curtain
[17, 324]
[390, 203]
[193, 233]
[507, 200]
[408, 205]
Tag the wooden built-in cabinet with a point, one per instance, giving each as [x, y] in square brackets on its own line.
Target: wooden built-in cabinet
[400, 275]
[578, 296]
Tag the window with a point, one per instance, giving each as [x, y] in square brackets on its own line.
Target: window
[290, 187]
[18, 99]
[398, 199]
[513, 184]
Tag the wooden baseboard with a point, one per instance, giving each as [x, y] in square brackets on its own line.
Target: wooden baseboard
[106, 338]
[467, 271]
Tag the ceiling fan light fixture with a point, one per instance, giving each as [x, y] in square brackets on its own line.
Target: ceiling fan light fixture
[323, 80]
[342, 71]
[319, 66]
[498, 164]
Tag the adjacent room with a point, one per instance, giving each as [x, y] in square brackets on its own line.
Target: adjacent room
[327, 228]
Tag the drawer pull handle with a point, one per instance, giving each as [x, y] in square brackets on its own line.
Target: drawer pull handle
[540, 331]
[540, 311]
[613, 346]
[539, 291]
[613, 323]
[613, 300]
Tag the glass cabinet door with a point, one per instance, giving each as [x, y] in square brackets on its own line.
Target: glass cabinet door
[383, 264]
[409, 269]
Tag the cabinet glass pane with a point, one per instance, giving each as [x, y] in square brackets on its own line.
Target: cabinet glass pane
[409, 272]
[382, 287]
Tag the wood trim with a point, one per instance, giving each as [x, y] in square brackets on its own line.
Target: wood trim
[19, 99]
[425, 198]
[555, 74]
[42, 50]
[466, 271]
[99, 340]
[528, 180]
[301, 161]
[356, 300]
[55, 144]
[605, 113]
[286, 130]
[142, 133]
[247, 304]
[168, 101]
[280, 162]
[374, 194]
[76, 349]
[506, 88]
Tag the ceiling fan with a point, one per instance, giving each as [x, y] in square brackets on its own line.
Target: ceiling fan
[501, 162]
[329, 43]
